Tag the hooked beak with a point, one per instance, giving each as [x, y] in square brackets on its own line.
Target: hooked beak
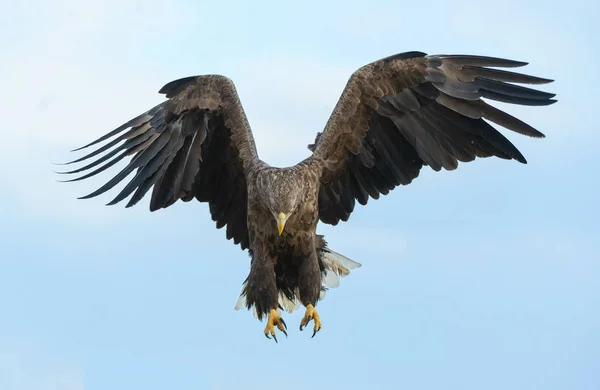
[281, 219]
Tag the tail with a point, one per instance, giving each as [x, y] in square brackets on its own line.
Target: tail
[334, 266]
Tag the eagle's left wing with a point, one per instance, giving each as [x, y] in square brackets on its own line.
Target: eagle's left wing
[197, 144]
[409, 110]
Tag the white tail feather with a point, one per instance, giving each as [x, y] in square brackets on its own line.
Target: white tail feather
[241, 304]
[287, 304]
[337, 266]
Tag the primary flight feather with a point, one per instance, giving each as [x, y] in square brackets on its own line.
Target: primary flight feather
[395, 116]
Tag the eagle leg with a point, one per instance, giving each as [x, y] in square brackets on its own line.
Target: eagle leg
[273, 321]
[311, 315]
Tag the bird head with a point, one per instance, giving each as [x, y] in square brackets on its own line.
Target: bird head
[283, 195]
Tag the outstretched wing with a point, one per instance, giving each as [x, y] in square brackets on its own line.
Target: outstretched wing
[409, 110]
[197, 144]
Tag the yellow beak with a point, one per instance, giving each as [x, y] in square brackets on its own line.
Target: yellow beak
[281, 219]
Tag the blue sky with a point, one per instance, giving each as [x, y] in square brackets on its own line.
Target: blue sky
[484, 277]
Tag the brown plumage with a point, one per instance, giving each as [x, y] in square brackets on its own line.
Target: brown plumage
[395, 116]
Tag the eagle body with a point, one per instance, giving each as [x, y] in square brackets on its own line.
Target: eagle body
[395, 116]
[285, 263]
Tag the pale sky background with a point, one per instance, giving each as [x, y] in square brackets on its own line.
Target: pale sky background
[482, 278]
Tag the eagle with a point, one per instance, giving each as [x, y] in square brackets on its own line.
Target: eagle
[395, 116]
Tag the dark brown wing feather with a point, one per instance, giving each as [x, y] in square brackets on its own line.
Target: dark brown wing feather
[409, 110]
[198, 144]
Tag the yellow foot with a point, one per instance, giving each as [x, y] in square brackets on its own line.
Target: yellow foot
[273, 321]
[311, 314]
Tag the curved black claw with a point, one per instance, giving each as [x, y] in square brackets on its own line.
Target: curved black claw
[315, 332]
[307, 322]
[269, 337]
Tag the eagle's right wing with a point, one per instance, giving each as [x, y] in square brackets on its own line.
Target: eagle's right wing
[411, 110]
[197, 144]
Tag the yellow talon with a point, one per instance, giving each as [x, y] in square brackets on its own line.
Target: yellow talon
[273, 321]
[311, 314]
